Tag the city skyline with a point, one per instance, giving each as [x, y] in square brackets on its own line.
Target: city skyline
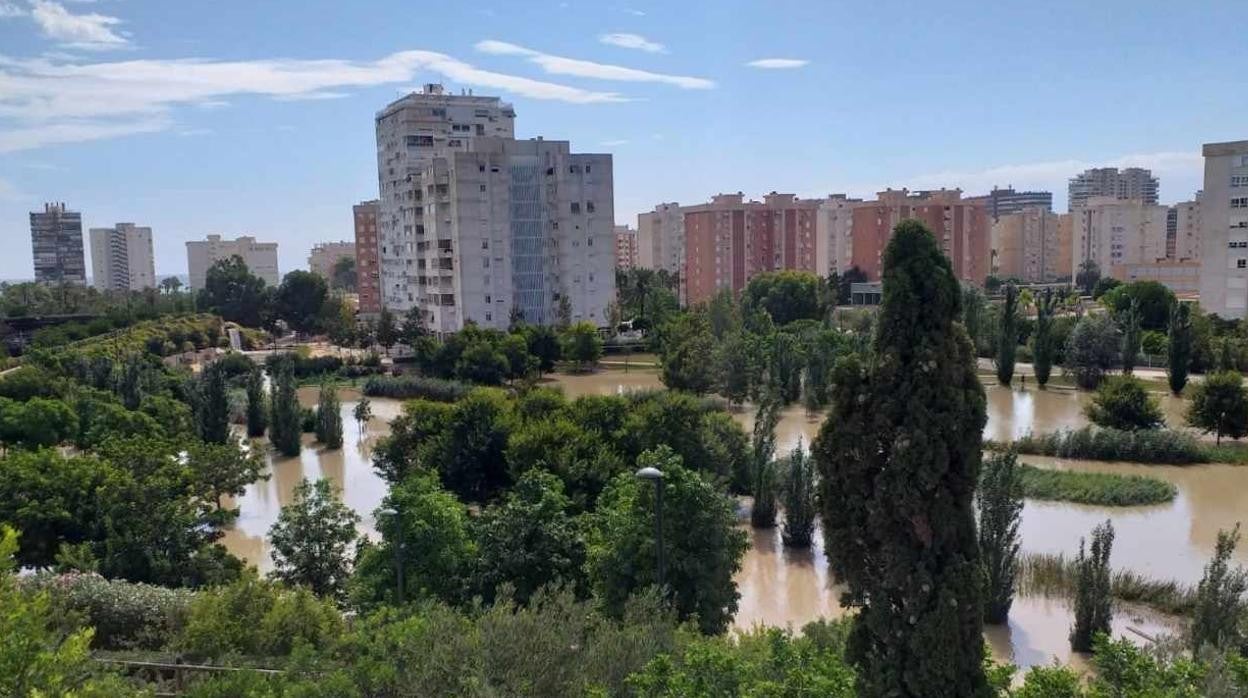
[282, 134]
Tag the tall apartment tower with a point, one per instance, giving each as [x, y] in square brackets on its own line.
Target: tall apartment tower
[1186, 239]
[1117, 234]
[325, 256]
[1129, 183]
[413, 132]
[1028, 244]
[962, 227]
[367, 256]
[56, 244]
[260, 258]
[661, 238]
[730, 240]
[1003, 202]
[834, 227]
[625, 247]
[1224, 230]
[122, 258]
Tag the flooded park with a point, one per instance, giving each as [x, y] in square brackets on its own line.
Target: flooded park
[789, 588]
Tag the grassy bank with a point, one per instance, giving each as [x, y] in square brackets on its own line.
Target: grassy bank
[1054, 575]
[1160, 446]
[1105, 489]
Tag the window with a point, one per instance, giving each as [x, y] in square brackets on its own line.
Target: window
[487, 298]
[485, 263]
[576, 206]
[1241, 264]
[1239, 202]
[587, 169]
[489, 316]
[589, 207]
[483, 187]
[485, 244]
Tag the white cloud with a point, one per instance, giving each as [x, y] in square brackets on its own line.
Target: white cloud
[85, 31]
[57, 101]
[778, 63]
[633, 41]
[8, 191]
[616, 142]
[9, 10]
[558, 65]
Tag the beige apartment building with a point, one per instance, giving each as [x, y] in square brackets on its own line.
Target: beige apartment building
[122, 258]
[325, 256]
[1117, 233]
[260, 257]
[661, 238]
[834, 227]
[1028, 245]
[625, 247]
[1183, 242]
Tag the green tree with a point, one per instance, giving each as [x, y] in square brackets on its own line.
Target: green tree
[285, 422]
[784, 367]
[798, 495]
[544, 344]
[387, 332]
[233, 292]
[1103, 286]
[723, 313]
[312, 539]
[785, 296]
[1129, 324]
[999, 500]
[343, 275]
[1094, 605]
[1007, 335]
[257, 410]
[300, 298]
[974, 314]
[687, 347]
[36, 423]
[529, 540]
[1043, 341]
[222, 470]
[731, 367]
[212, 404]
[363, 412]
[1122, 402]
[1088, 276]
[581, 345]
[413, 328]
[699, 532]
[468, 452]
[1152, 300]
[329, 417]
[1179, 346]
[1218, 619]
[1092, 349]
[898, 486]
[1220, 405]
[762, 464]
[481, 362]
[337, 320]
[52, 498]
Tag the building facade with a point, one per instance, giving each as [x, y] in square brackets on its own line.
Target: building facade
[834, 227]
[1027, 245]
[961, 227]
[367, 256]
[1003, 202]
[1186, 235]
[661, 239]
[325, 255]
[413, 132]
[1065, 245]
[1101, 182]
[1117, 233]
[729, 241]
[625, 247]
[56, 244]
[122, 258]
[1224, 230]
[260, 258]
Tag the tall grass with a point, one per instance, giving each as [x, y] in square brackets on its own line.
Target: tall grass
[1042, 574]
[409, 387]
[1144, 446]
[1106, 489]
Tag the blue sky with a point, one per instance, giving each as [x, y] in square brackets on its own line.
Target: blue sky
[245, 117]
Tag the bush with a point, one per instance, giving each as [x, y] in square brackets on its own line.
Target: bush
[1106, 489]
[125, 615]
[258, 618]
[408, 387]
[1162, 446]
[1122, 402]
[302, 367]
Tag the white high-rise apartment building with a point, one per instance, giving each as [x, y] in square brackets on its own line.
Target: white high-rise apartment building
[1027, 245]
[412, 132]
[834, 226]
[122, 258]
[260, 258]
[661, 238]
[476, 225]
[1115, 233]
[1224, 230]
[1128, 183]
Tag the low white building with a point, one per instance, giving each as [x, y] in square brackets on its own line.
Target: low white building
[260, 257]
[122, 258]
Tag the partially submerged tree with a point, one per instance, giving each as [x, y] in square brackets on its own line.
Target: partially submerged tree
[798, 496]
[1219, 405]
[1043, 343]
[312, 540]
[1000, 503]
[1094, 604]
[1179, 349]
[1007, 335]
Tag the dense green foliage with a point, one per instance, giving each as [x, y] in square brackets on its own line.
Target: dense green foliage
[1179, 346]
[212, 409]
[233, 292]
[257, 409]
[285, 419]
[581, 345]
[763, 479]
[797, 492]
[1219, 404]
[784, 295]
[1093, 595]
[1092, 349]
[300, 298]
[1043, 344]
[329, 417]
[1103, 489]
[311, 540]
[898, 490]
[1220, 618]
[688, 346]
[999, 503]
[1145, 446]
[1007, 335]
[1150, 300]
[1123, 403]
[408, 387]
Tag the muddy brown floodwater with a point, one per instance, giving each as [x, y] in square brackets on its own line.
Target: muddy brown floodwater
[790, 588]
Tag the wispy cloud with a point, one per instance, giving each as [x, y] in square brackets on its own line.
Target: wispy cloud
[778, 63]
[91, 31]
[616, 142]
[8, 190]
[634, 41]
[11, 9]
[45, 101]
[558, 65]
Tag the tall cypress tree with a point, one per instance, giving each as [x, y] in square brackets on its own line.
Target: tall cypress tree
[1000, 502]
[1094, 605]
[899, 457]
[762, 454]
[212, 415]
[257, 415]
[1042, 347]
[285, 423]
[329, 417]
[1008, 337]
[1179, 353]
[1130, 324]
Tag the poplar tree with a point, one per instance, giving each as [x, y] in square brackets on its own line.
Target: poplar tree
[257, 415]
[1008, 336]
[1094, 604]
[329, 417]
[1042, 347]
[899, 459]
[285, 422]
[1000, 503]
[212, 405]
[1179, 351]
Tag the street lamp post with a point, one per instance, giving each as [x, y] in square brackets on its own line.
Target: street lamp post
[398, 548]
[656, 475]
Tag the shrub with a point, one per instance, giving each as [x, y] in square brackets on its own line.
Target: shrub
[1122, 402]
[302, 367]
[1105, 489]
[259, 618]
[125, 615]
[408, 387]
[1147, 446]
